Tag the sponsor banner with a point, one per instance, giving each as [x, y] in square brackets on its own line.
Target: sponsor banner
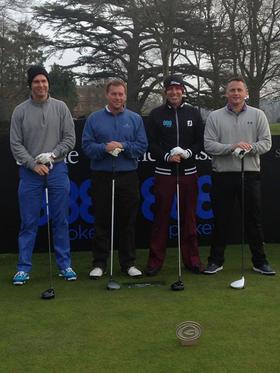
[81, 218]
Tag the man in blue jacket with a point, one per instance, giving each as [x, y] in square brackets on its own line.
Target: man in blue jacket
[114, 138]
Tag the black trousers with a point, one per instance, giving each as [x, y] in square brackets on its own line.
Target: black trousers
[126, 208]
[226, 189]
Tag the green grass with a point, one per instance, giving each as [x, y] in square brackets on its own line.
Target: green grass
[275, 128]
[89, 329]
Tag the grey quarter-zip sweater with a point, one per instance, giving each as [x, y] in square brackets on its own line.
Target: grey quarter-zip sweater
[225, 128]
[40, 128]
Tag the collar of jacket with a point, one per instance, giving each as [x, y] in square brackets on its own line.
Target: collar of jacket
[109, 111]
[230, 108]
[171, 107]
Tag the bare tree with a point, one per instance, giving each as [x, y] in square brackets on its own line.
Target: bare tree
[133, 39]
[255, 30]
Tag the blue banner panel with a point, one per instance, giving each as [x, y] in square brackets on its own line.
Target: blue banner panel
[81, 218]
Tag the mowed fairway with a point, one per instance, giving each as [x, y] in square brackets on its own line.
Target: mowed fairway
[89, 329]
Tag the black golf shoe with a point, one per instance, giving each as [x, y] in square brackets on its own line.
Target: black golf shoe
[212, 268]
[199, 269]
[265, 269]
[152, 271]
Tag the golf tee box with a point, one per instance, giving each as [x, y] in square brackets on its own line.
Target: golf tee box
[188, 332]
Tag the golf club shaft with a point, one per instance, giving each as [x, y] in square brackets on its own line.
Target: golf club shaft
[242, 215]
[112, 218]
[49, 235]
[112, 227]
[178, 202]
[178, 225]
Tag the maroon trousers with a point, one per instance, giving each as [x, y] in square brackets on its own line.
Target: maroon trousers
[165, 190]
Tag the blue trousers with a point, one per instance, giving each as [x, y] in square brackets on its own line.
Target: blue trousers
[31, 191]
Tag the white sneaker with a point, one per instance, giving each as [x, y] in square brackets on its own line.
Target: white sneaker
[96, 273]
[134, 272]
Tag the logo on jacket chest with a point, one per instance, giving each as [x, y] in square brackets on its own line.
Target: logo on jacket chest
[189, 123]
[167, 123]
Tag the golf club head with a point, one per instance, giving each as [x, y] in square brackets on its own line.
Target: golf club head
[113, 285]
[177, 286]
[48, 294]
[238, 284]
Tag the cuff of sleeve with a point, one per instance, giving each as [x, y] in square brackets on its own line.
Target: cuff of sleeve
[166, 157]
[254, 149]
[228, 148]
[190, 152]
[31, 164]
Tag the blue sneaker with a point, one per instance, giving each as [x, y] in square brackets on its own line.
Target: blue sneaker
[20, 278]
[68, 274]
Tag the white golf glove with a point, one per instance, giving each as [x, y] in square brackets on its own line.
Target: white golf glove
[240, 153]
[179, 151]
[116, 152]
[45, 158]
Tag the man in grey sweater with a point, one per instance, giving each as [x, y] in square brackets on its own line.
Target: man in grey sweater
[42, 133]
[232, 132]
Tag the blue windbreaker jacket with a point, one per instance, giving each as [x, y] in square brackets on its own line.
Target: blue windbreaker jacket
[102, 127]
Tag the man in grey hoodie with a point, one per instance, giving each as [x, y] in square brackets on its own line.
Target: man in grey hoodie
[42, 133]
[232, 132]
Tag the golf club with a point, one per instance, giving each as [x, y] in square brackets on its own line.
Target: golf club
[178, 285]
[240, 284]
[131, 285]
[49, 293]
[112, 285]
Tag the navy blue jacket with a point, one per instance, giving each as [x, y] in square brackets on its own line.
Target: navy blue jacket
[164, 135]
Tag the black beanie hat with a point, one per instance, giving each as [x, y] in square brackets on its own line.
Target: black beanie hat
[34, 71]
[173, 80]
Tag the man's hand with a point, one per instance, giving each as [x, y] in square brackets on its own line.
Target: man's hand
[45, 158]
[176, 151]
[114, 148]
[240, 153]
[41, 169]
[111, 146]
[174, 158]
[243, 145]
[181, 152]
[116, 152]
